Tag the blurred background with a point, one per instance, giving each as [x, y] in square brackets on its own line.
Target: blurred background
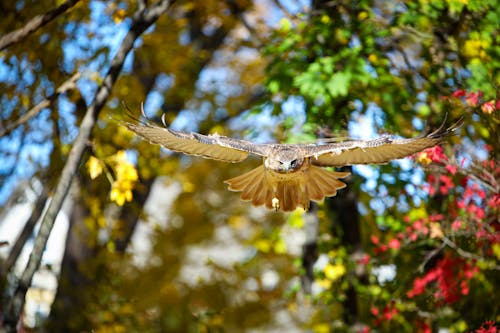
[151, 241]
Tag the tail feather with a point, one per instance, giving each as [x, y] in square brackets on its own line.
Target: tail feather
[260, 194]
[250, 183]
[251, 189]
[313, 189]
[269, 199]
[240, 182]
[261, 188]
[288, 196]
[322, 183]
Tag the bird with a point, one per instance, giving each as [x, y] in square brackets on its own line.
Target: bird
[291, 175]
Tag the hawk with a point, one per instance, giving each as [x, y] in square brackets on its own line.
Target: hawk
[291, 174]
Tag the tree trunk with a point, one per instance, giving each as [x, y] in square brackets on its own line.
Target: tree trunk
[25, 234]
[72, 280]
[346, 226]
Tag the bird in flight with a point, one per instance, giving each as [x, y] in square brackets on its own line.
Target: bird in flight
[291, 174]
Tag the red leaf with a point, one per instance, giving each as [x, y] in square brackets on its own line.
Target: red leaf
[394, 244]
[459, 93]
[488, 327]
[488, 107]
[451, 169]
[472, 99]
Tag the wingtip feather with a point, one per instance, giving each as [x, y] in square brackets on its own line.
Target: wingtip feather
[442, 131]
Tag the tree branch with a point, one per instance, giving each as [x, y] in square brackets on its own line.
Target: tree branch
[28, 228]
[464, 253]
[141, 21]
[34, 24]
[285, 11]
[67, 85]
[430, 256]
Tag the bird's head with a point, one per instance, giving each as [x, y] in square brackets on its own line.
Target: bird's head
[284, 160]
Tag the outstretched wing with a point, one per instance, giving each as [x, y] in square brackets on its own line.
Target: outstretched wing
[380, 150]
[214, 146]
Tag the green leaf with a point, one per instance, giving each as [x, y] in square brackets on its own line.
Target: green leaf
[338, 85]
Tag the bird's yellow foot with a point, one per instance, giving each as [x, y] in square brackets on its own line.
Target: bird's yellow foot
[276, 203]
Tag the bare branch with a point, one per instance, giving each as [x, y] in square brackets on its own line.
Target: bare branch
[141, 21]
[283, 9]
[67, 85]
[141, 4]
[251, 30]
[431, 255]
[464, 253]
[14, 156]
[34, 24]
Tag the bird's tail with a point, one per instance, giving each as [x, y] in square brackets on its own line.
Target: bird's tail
[261, 188]
[253, 186]
[323, 183]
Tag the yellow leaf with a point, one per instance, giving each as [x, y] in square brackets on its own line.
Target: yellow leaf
[111, 246]
[321, 328]
[324, 283]
[496, 250]
[373, 58]
[218, 130]
[285, 25]
[117, 196]
[237, 221]
[120, 156]
[94, 166]
[471, 47]
[474, 48]
[295, 219]
[423, 158]
[334, 271]
[417, 213]
[188, 187]
[101, 221]
[126, 171]
[216, 320]
[119, 15]
[263, 245]
[127, 309]
[362, 15]
[280, 247]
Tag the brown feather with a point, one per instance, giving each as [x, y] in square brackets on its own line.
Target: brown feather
[247, 181]
[377, 151]
[315, 184]
[323, 183]
[214, 147]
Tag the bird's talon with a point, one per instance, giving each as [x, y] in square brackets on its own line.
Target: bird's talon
[276, 203]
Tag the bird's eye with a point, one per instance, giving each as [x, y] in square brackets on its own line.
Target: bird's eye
[293, 163]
